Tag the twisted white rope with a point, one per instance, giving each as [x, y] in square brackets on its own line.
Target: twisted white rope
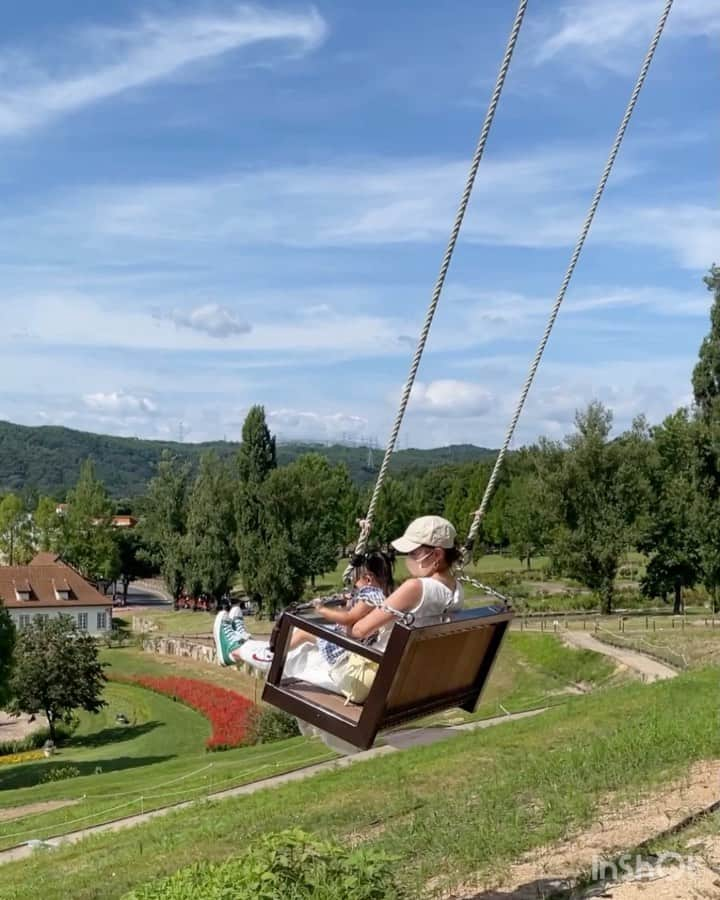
[437, 290]
[475, 527]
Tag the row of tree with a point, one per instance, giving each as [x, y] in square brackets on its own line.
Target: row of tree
[583, 502]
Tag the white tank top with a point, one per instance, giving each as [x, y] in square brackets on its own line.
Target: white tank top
[435, 600]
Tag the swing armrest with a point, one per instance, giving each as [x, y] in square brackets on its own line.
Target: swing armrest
[314, 626]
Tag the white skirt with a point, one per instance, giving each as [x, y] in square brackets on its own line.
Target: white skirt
[304, 662]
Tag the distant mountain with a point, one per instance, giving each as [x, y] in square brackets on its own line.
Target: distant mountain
[48, 458]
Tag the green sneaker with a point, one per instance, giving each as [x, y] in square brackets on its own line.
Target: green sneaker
[226, 640]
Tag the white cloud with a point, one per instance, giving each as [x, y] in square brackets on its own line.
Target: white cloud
[449, 397]
[598, 31]
[119, 59]
[691, 232]
[77, 320]
[212, 319]
[312, 426]
[119, 403]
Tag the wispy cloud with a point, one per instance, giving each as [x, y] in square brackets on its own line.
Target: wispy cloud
[119, 59]
[212, 319]
[600, 30]
[528, 200]
[537, 200]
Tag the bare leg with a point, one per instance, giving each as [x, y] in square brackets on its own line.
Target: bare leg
[300, 637]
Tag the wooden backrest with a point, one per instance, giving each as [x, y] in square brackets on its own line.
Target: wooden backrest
[441, 663]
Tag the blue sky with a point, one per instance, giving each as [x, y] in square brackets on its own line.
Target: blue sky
[210, 205]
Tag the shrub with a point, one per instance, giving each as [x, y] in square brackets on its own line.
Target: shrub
[267, 725]
[59, 773]
[289, 864]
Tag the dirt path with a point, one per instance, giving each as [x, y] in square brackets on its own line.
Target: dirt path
[649, 669]
[16, 728]
[17, 812]
[620, 825]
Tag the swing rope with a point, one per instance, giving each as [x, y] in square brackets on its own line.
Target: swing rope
[479, 514]
[367, 522]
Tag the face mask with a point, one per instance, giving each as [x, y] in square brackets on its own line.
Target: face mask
[419, 562]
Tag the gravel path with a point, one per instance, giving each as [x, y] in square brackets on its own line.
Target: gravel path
[649, 669]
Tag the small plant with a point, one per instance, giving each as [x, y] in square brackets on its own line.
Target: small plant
[292, 865]
[59, 773]
[267, 725]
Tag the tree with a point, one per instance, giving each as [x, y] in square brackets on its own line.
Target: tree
[56, 671]
[256, 459]
[593, 531]
[210, 541]
[15, 531]
[88, 539]
[394, 511]
[705, 513]
[667, 534]
[7, 645]
[528, 517]
[706, 375]
[47, 523]
[309, 499]
[163, 527]
[134, 561]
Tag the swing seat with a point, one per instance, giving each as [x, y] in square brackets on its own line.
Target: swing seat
[442, 663]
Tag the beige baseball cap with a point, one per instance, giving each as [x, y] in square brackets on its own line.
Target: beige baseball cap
[428, 531]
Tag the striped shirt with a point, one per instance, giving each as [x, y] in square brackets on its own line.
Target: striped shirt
[331, 652]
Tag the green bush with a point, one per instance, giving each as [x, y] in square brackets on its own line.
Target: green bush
[291, 865]
[268, 725]
[58, 773]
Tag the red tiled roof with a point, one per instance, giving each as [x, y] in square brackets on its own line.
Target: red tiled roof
[124, 521]
[44, 558]
[42, 579]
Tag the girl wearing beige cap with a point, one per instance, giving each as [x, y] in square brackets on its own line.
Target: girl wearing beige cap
[432, 589]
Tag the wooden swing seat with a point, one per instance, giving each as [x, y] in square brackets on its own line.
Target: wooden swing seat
[442, 663]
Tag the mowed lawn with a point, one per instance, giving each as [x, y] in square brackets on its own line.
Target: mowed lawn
[159, 758]
[460, 808]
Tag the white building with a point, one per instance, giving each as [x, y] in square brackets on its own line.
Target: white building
[49, 587]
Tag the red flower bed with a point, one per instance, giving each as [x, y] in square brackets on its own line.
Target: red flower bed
[229, 714]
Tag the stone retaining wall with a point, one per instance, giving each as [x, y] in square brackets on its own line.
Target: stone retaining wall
[190, 649]
[178, 646]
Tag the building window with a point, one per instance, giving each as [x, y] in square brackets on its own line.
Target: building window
[102, 621]
[82, 621]
[24, 620]
[42, 617]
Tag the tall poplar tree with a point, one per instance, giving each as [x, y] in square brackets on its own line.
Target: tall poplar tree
[256, 459]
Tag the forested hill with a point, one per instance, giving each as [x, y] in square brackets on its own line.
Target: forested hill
[48, 458]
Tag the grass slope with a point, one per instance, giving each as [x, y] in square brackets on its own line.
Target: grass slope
[462, 806]
[158, 759]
